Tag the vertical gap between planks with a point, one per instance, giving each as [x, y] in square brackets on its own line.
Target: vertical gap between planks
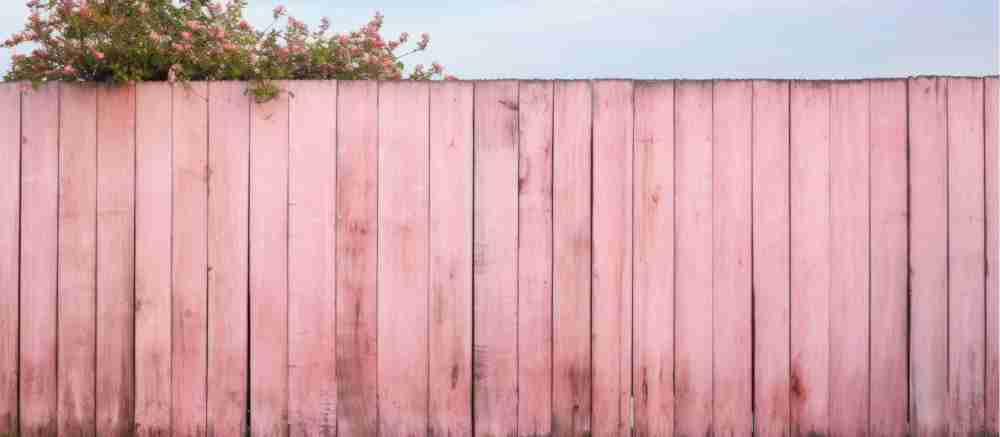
[673, 279]
[868, 145]
[753, 315]
[472, 269]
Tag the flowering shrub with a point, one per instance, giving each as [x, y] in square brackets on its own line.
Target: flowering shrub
[123, 41]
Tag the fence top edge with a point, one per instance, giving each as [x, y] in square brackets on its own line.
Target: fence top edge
[636, 80]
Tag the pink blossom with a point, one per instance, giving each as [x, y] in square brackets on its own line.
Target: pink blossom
[244, 25]
[279, 11]
[97, 54]
[186, 35]
[436, 68]
[424, 40]
[69, 69]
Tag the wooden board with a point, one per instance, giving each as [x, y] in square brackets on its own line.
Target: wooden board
[269, 265]
[571, 260]
[990, 94]
[37, 391]
[928, 263]
[693, 258]
[153, 212]
[653, 330]
[966, 258]
[849, 250]
[115, 259]
[810, 256]
[889, 293]
[495, 259]
[450, 310]
[10, 228]
[771, 258]
[357, 209]
[403, 245]
[732, 315]
[76, 318]
[312, 201]
[612, 271]
[189, 329]
[534, 258]
[228, 208]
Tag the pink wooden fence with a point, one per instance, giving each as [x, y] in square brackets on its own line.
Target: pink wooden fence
[500, 258]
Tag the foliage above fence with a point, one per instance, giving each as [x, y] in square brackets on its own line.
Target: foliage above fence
[155, 40]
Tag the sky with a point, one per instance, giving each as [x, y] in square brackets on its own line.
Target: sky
[667, 39]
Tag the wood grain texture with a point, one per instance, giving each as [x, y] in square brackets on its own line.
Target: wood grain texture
[534, 258]
[571, 250]
[990, 94]
[153, 212]
[403, 202]
[357, 215]
[115, 259]
[189, 327]
[966, 258]
[77, 318]
[450, 311]
[810, 256]
[771, 257]
[928, 263]
[612, 272]
[312, 200]
[10, 229]
[495, 259]
[850, 172]
[269, 264]
[732, 130]
[228, 210]
[653, 329]
[889, 234]
[37, 394]
[693, 258]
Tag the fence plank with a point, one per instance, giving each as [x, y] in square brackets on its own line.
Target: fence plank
[810, 255]
[966, 257]
[495, 259]
[10, 213]
[928, 265]
[731, 205]
[653, 369]
[771, 261]
[889, 298]
[450, 336]
[534, 258]
[357, 203]
[189, 329]
[312, 178]
[612, 287]
[39, 265]
[849, 293]
[269, 266]
[115, 259]
[693, 258]
[571, 280]
[228, 210]
[402, 265]
[992, 284]
[153, 210]
[77, 259]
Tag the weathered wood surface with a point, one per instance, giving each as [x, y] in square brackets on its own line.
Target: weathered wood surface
[500, 258]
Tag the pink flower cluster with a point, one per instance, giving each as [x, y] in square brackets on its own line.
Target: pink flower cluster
[138, 40]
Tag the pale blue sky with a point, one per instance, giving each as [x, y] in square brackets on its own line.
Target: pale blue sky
[670, 38]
